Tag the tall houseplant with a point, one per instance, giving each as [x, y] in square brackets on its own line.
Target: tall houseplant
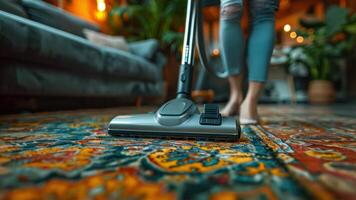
[160, 19]
[144, 19]
[327, 42]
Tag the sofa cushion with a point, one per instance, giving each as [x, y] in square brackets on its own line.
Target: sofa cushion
[117, 42]
[14, 7]
[145, 48]
[52, 16]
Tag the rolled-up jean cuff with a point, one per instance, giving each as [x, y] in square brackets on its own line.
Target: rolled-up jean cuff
[258, 80]
[233, 71]
[263, 77]
[230, 2]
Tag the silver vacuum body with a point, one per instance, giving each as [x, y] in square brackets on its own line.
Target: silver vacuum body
[178, 119]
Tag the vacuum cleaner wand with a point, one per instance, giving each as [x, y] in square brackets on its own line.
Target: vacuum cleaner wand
[186, 67]
[180, 118]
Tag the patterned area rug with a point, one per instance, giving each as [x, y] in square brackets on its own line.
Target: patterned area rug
[297, 153]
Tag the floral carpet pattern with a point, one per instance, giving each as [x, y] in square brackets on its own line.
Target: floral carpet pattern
[296, 153]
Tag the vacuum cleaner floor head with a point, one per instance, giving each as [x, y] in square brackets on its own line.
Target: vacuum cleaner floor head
[178, 119]
[145, 125]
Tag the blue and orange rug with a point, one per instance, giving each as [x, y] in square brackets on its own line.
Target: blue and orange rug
[297, 153]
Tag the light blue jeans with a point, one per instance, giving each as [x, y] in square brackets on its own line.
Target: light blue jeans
[260, 43]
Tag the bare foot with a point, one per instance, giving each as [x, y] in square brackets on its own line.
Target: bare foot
[232, 107]
[248, 112]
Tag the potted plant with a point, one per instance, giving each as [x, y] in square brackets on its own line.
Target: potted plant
[326, 43]
[159, 19]
[146, 19]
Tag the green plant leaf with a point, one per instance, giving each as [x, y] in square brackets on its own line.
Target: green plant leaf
[336, 17]
[351, 28]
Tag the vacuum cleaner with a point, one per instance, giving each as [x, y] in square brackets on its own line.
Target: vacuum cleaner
[180, 117]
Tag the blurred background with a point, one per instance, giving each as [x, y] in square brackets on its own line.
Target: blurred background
[71, 54]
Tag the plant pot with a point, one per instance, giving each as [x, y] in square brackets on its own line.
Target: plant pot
[321, 92]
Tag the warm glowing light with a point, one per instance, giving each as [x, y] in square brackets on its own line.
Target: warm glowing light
[101, 6]
[300, 39]
[100, 15]
[287, 28]
[293, 34]
[216, 52]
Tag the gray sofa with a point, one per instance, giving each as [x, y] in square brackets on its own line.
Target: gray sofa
[43, 53]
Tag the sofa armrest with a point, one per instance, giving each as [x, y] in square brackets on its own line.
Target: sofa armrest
[51, 16]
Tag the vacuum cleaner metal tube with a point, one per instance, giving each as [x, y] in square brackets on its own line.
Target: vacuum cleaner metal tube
[186, 67]
[189, 38]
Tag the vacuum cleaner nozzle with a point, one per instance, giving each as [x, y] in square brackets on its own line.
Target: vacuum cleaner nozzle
[178, 119]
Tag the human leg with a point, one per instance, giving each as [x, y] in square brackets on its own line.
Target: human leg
[259, 51]
[232, 51]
